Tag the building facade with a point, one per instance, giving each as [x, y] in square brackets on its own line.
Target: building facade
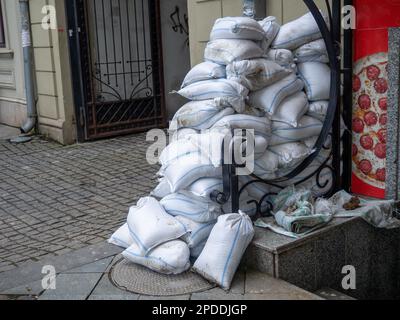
[59, 117]
[57, 110]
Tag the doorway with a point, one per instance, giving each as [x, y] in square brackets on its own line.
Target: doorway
[116, 59]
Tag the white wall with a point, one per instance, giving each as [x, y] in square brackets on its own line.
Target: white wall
[176, 54]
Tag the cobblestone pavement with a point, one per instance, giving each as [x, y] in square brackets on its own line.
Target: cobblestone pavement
[55, 199]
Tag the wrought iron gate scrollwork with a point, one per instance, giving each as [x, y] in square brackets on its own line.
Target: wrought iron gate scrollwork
[117, 65]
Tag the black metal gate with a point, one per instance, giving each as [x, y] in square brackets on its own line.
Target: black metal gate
[116, 60]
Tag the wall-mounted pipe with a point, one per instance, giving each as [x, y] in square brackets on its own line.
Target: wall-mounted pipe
[30, 123]
[249, 9]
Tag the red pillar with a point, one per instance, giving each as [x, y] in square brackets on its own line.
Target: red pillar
[370, 88]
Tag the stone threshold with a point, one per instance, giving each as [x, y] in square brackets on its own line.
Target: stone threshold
[276, 243]
[317, 260]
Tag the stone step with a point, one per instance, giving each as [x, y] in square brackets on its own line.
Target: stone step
[331, 294]
[317, 260]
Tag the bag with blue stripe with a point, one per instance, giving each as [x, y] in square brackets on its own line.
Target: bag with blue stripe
[271, 29]
[150, 226]
[225, 248]
[229, 92]
[195, 208]
[256, 74]
[172, 257]
[283, 57]
[198, 232]
[312, 52]
[200, 115]
[298, 32]
[122, 237]
[237, 28]
[317, 80]
[270, 98]
[226, 51]
[283, 133]
[204, 71]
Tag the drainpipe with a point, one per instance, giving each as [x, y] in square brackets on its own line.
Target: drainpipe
[30, 123]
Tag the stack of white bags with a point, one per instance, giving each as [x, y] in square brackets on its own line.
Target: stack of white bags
[256, 75]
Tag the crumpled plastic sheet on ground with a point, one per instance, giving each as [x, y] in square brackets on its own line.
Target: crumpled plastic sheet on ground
[379, 213]
[307, 215]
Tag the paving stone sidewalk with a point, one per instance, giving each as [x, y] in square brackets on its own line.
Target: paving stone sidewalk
[56, 199]
[59, 204]
[92, 282]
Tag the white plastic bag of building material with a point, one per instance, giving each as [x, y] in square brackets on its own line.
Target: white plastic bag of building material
[260, 146]
[255, 190]
[196, 251]
[323, 157]
[204, 71]
[122, 237]
[266, 166]
[230, 92]
[314, 51]
[198, 232]
[256, 74]
[260, 125]
[210, 143]
[297, 32]
[226, 51]
[290, 154]
[204, 187]
[318, 109]
[188, 169]
[269, 98]
[292, 109]
[151, 226]
[176, 150]
[311, 142]
[199, 115]
[237, 28]
[250, 111]
[194, 208]
[172, 257]
[225, 248]
[325, 179]
[319, 187]
[283, 133]
[271, 28]
[182, 134]
[317, 79]
[319, 184]
[282, 57]
[162, 190]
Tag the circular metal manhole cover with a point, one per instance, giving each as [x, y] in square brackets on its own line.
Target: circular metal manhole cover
[137, 279]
